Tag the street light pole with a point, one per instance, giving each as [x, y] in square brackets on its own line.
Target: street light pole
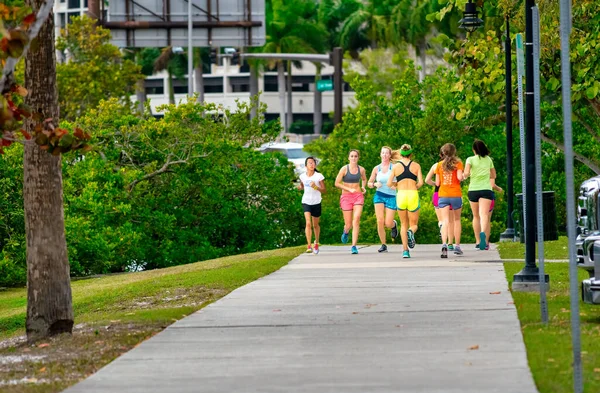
[530, 273]
[509, 233]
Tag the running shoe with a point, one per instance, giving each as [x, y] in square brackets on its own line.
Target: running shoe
[354, 250]
[309, 250]
[406, 254]
[395, 230]
[444, 251]
[344, 237]
[316, 248]
[487, 246]
[477, 246]
[457, 250]
[411, 239]
[482, 241]
[450, 247]
[383, 248]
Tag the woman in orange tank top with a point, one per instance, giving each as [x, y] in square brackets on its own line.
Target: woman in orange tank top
[449, 174]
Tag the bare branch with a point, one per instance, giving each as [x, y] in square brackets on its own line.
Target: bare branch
[11, 62]
[589, 128]
[162, 170]
[584, 160]
[595, 104]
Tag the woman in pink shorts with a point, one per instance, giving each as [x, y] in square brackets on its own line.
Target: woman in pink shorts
[352, 199]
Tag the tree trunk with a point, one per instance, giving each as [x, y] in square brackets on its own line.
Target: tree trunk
[49, 303]
[254, 91]
[199, 83]
[93, 9]
[140, 93]
[281, 89]
[170, 87]
[423, 60]
[318, 115]
[290, 113]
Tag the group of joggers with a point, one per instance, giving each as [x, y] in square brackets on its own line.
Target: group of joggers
[397, 180]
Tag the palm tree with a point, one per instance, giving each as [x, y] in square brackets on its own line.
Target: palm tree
[367, 25]
[174, 64]
[291, 30]
[200, 57]
[145, 58]
[409, 24]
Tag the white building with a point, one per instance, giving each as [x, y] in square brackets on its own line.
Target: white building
[226, 84]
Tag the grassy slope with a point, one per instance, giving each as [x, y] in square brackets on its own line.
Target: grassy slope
[115, 313]
[153, 295]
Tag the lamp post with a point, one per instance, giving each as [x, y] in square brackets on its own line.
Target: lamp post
[470, 22]
[530, 273]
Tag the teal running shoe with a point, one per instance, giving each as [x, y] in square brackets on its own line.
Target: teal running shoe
[344, 237]
[482, 243]
[411, 239]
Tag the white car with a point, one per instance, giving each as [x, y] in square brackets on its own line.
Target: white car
[293, 151]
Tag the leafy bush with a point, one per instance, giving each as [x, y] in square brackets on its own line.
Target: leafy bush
[162, 192]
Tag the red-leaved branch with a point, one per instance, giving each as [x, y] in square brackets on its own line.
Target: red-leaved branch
[19, 27]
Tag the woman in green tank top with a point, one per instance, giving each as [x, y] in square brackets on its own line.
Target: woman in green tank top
[480, 168]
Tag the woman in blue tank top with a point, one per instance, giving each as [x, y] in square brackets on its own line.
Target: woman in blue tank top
[384, 200]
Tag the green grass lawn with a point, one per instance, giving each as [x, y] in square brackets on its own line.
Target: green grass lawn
[167, 292]
[557, 249]
[549, 347]
[115, 313]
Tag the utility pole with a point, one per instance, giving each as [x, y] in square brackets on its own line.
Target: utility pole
[190, 52]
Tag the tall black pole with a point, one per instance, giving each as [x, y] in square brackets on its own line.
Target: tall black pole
[530, 273]
[338, 84]
[529, 141]
[509, 233]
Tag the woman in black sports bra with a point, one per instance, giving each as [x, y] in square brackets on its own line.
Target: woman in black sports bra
[407, 178]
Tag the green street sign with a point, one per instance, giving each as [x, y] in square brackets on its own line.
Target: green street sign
[520, 55]
[324, 85]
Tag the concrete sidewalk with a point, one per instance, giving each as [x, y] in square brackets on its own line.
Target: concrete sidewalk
[336, 322]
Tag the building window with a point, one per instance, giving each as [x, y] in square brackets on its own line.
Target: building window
[74, 3]
[60, 20]
[180, 89]
[270, 83]
[72, 15]
[240, 84]
[213, 85]
[154, 86]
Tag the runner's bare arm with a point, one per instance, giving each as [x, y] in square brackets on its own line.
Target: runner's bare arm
[419, 177]
[371, 183]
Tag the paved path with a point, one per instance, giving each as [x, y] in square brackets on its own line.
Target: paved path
[336, 322]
